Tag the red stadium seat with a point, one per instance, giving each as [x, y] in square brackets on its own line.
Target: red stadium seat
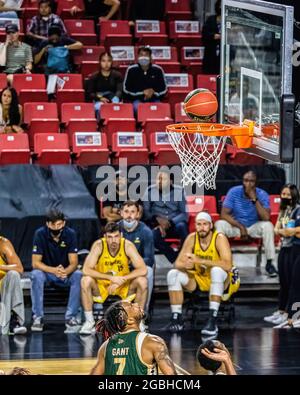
[115, 33]
[236, 156]
[179, 86]
[51, 148]
[40, 117]
[14, 149]
[185, 33]
[129, 146]
[117, 117]
[161, 151]
[275, 207]
[64, 7]
[3, 81]
[195, 204]
[180, 115]
[72, 90]
[90, 152]
[178, 9]
[207, 81]
[192, 59]
[154, 117]
[151, 33]
[167, 58]
[30, 8]
[30, 87]
[87, 59]
[82, 30]
[78, 117]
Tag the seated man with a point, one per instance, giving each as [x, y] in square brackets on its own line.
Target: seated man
[55, 261]
[12, 315]
[165, 212]
[107, 272]
[246, 212]
[144, 82]
[205, 262]
[141, 236]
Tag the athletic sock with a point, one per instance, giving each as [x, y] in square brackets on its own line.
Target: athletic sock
[89, 316]
[214, 306]
[176, 308]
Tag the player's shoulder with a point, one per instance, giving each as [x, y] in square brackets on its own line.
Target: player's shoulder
[191, 237]
[154, 342]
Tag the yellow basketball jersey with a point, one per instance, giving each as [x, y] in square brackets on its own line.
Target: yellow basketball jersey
[114, 265]
[2, 262]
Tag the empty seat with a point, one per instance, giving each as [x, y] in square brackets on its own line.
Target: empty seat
[192, 59]
[195, 204]
[167, 58]
[180, 114]
[114, 33]
[30, 87]
[154, 117]
[207, 81]
[90, 148]
[185, 33]
[14, 149]
[3, 81]
[179, 85]
[82, 30]
[178, 9]
[30, 8]
[40, 117]
[64, 8]
[51, 148]
[117, 117]
[161, 151]
[87, 59]
[78, 117]
[130, 147]
[150, 32]
[72, 91]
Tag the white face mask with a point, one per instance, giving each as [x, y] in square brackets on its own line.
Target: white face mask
[129, 225]
[144, 60]
[45, 18]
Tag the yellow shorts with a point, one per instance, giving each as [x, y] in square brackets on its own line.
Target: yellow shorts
[103, 285]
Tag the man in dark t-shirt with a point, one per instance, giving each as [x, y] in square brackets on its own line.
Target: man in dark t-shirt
[105, 9]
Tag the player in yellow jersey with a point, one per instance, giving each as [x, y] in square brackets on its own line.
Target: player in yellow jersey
[107, 272]
[204, 262]
[12, 315]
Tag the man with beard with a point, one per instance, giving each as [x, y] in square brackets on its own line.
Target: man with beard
[126, 350]
[107, 272]
[246, 213]
[204, 262]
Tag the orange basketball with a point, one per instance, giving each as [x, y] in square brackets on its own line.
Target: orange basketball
[200, 105]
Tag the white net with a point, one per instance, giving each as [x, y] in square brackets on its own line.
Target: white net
[199, 154]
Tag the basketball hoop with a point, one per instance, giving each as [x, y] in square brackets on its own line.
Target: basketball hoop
[200, 145]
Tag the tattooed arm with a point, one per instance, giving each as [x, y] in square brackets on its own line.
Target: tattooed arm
[160, 354]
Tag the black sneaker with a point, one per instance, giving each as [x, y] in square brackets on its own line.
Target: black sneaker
[176, 324]
[210, 328]
[270, 269]
[15, 328]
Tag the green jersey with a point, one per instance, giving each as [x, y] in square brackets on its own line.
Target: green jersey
[123, 355]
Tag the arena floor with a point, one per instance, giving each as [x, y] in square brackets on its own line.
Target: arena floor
[256, 347]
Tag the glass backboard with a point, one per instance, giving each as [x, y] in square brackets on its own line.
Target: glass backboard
[256, 73]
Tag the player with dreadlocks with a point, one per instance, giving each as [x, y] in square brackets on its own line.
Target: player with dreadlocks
[126, 350]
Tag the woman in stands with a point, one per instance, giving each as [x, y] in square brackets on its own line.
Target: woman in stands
[10, 112]
[105, 86]
[289, 204]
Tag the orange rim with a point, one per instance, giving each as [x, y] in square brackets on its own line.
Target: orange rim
[241, 135]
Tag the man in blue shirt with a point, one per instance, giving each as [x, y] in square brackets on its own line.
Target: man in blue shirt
[246, 213]
[55, 261]
[165, 211]
[141, 236]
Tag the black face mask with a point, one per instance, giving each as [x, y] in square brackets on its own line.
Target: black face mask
[56, 232]
[286, 202]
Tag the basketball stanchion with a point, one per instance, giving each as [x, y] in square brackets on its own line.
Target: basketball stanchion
[200, 145]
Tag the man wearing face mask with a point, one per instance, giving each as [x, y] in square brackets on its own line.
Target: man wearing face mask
[37, 29]
[144, 82]
[141, 236]
[54, 261]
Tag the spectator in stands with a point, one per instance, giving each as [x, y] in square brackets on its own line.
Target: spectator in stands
[213, 356]
[111, 209]
[211, 35]
[54, 261]
[141, 236]
[56, 40]
[107, 272]
[102, 9]
[165, 212]
[18, 56]
[289, 204]
[10, 112]
[105, 86]
[246, 213]
[144, 81]
[37, 30]
[12, 315]
[8, 11]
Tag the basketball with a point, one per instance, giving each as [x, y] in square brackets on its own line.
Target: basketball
[200, 105]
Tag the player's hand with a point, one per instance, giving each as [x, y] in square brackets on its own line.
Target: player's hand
[190, 260]
[163, 222]
[148, 93]
[112, 289]
[118, 280]
[217, 355]
[103, 18]
[74, 10]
